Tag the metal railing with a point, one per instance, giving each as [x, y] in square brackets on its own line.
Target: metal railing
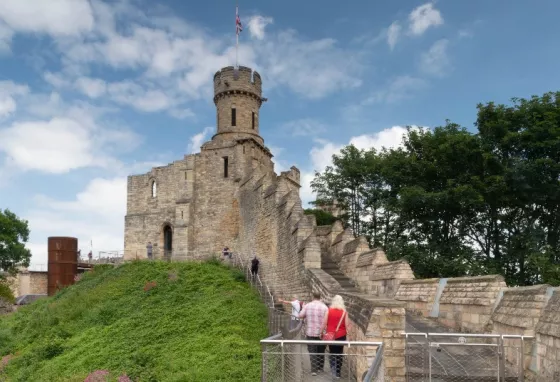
[303, 360]
[462, 357]
[288, 358]
[254, 280]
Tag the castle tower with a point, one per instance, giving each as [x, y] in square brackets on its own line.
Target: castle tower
[238, 98]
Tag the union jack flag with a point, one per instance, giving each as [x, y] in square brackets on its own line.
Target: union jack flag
[238, 25]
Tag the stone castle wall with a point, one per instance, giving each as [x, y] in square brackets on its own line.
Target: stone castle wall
[486, 305]
[196, 198]
[368, 268]
[29, 282]
[547, 359]
[289, 245]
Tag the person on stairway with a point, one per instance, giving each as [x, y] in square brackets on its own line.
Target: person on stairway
[314, 314]
[336, 321]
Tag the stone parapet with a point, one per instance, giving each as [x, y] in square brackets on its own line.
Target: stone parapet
[547, 363]
[419, 295]
[386, 278]
[467, 303]
[519, 310]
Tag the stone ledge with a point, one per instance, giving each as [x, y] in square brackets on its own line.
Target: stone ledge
[527, 290]
[352, 246]
[475, 279]
[325, 279]
[420, 281]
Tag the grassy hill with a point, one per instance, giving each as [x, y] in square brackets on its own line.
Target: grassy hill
[151, 321]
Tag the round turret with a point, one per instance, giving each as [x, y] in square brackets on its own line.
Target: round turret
[238, 98]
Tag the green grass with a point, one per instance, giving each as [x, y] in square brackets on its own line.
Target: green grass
[202, 322]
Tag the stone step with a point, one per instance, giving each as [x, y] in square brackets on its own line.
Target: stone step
[332, 268]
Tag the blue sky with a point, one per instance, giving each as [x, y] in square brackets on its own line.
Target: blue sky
[92, 90]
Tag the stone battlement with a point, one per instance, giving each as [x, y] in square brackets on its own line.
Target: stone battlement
[245, 80]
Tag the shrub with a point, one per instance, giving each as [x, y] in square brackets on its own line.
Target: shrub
[5, 291]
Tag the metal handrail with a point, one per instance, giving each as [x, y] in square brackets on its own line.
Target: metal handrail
[375, 365]
[281, 342]
[247, 270]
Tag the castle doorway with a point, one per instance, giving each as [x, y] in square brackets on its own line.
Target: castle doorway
[167, 242]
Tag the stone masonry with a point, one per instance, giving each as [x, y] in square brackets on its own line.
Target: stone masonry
[189, 208]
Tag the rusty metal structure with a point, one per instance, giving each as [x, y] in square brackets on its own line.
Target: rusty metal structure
[63, 263]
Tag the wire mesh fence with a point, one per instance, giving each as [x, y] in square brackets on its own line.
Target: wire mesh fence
[303, 360]
[458, 357]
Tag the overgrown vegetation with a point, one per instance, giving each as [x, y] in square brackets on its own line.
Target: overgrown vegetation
[149, 321]
[322, 217]
[458, 203]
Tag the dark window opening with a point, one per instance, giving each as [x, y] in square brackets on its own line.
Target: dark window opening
[243, 149]
[253, 120]
[167, 241]
[233, 117]
[181, 214]
[226, 166]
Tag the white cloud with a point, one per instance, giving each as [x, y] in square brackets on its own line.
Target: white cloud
[56, 80]
[435, 61]
[304, 127]
[321, 156]
[198, 139]
[280, 163]
[54, 137]
[181, 113]
[388, 138]
[169, 62]
[399, 88]
[5, 38]
[465, 33]
[96, 214]
[9, 90]
[257, 24]
[142, 99]
[92, 87]
[305, 192]
[54, 17]
[55, 146]
[393, 34]
[312, 69]
[424, 17]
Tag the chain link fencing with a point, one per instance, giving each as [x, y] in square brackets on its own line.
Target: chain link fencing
[303, 360]
[458, 357]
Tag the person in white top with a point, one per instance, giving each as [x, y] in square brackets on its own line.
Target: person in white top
[296, 309]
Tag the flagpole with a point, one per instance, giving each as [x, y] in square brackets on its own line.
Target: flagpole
[236, 35]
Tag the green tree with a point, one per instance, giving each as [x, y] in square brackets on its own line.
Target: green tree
[523, 146]
[432, 177]
[458, 203]
[322, 217]
[343, 182]
[14, 233]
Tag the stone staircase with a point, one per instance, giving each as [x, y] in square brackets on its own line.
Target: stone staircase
[330, 267]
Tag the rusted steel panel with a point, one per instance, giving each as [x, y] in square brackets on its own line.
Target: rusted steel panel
[63, 263]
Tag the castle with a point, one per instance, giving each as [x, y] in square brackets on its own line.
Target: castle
[229, 195]
[189, 208]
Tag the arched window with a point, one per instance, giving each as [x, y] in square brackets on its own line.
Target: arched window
[154, 189]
